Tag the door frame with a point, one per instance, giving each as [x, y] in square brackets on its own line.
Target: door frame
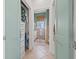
[29, 10]
[27, 18]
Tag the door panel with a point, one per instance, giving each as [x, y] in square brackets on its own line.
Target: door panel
[12, 29]
[62, 29]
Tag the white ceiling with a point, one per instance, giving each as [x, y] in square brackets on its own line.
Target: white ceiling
[40, 10]
[41, 5]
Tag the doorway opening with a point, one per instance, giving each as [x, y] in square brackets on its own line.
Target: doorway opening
[24, 29]
[41, 29]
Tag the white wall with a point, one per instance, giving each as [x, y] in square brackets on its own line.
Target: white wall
[51, 26]
[41, 4]
[31, 29]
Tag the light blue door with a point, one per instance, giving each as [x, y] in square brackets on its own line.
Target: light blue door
[64, 29]
[12, 29]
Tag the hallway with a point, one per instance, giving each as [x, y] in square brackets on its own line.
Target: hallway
[23, 20]
[40, 51]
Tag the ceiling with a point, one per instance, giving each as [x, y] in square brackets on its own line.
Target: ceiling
[41, 5]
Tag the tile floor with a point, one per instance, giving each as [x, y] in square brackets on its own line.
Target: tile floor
[40, 51]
